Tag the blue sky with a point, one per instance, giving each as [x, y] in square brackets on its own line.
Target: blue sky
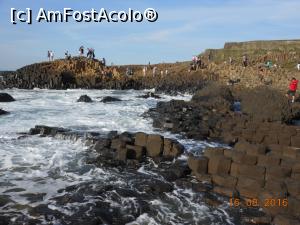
[184, 28]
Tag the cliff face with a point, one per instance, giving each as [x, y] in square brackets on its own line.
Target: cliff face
[59, 73]
[91, 74]
[264, 45]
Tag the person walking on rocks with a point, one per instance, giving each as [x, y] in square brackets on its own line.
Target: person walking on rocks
[293, 88]
[298, 66]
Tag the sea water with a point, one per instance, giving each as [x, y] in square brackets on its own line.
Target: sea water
[35, 165]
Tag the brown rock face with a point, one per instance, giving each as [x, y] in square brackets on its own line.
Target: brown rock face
[198, 164]
[266, 104]
[154, 145]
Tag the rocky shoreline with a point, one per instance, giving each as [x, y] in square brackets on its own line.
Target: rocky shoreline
[128, 153]
[262, 165]
[251, 176]
[250, 114]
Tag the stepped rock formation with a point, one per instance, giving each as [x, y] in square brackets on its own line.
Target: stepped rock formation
[80, 72]
[284, 56]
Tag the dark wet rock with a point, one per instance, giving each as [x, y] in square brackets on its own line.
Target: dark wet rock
[112, 134]
[4, 97]
[150, 95]
[196, 119]
[154, 186]
[4, 199]
[211, 91]
[34, 197]
[266, 104]
[188, 183]
[175, 170]
[5, 220]
[14, 190]
[22, 219]
[3, 112]
[84, 98]
[127, 137]
[43, 210]
[46, 130]
[110, 99]
[101, 144]
[6, 184]
[69, 198]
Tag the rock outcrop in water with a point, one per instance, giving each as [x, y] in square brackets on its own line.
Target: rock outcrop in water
[110, 99]
[198, 118]
[3, 112]
[84, 98]
[4, 97]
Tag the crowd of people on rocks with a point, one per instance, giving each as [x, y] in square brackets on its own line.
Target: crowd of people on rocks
[196, 63]
[90, 54]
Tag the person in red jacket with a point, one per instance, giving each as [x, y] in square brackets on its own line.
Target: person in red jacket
[293, 88]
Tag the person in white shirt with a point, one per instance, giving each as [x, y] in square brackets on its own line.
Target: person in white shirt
[144, 70]
[154, 71]
[52, 55]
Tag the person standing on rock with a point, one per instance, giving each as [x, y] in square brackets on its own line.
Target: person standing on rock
[144, 70]
[245, 60]
[52, 55]
[293, 88]
[199, 63]
[154, 71]
[81, 51]
[49, 56]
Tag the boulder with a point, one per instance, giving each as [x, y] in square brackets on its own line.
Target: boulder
[285, 220]
[266, 104]
[110, 99]
[213, 90]
[215, 95]
[84, 98]
[154, 145]
[141, 139]
[173, 149]
[198, 164]
[4, 97]
[219, 165]
[135, 152]
[150, 95]
[3, 112]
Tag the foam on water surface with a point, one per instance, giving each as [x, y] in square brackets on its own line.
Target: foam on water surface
[45, 165]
